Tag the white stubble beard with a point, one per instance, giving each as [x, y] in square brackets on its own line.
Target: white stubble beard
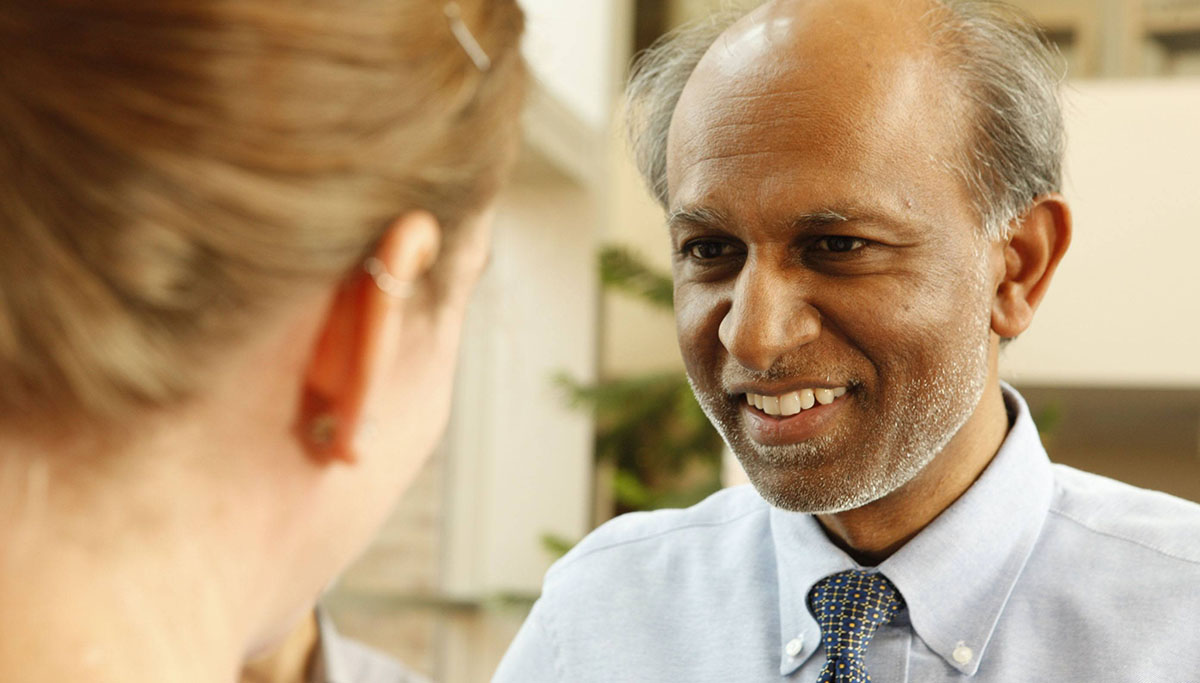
[934, 410]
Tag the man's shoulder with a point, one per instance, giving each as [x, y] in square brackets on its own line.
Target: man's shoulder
[639, 598]
[642, 539]
[1111, 511]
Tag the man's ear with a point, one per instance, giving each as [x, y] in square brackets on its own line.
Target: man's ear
[358, 339]
[1031, 256]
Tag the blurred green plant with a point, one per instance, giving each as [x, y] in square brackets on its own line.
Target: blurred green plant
[623, 271]
[556, 545]
[1048, 417]
[662, 448]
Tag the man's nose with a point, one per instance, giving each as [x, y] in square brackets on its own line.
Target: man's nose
[769, 317]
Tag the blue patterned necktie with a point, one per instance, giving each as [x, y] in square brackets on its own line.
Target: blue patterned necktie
[849, 606]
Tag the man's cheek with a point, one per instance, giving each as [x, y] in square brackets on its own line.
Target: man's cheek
[696, 321]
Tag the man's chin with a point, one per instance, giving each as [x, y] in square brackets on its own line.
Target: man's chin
[808, 492]
[801, 465]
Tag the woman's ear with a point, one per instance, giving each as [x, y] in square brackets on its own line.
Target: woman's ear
[1031, 256]
[358, 339]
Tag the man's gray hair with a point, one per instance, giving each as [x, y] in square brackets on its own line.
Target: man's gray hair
[1008, 72]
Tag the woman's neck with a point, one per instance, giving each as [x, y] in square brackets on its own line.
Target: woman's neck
[168, 556]
[291, 661]
[113, 583]
[73, 616]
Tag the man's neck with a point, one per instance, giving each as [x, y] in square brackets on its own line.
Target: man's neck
[871, 533]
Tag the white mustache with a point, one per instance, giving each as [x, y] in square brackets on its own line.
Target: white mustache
[733, 374]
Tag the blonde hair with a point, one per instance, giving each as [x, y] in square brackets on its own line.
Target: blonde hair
[171, 169]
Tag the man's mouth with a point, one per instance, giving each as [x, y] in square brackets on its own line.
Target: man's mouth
[794, 402]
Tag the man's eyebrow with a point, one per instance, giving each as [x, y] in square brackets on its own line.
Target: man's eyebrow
[813, 220]
[821, 219]
[836, 214]
[698, 216]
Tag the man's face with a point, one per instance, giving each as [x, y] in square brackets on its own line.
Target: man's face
[822, 244]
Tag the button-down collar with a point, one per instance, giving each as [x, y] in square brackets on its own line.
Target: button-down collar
[955, 575]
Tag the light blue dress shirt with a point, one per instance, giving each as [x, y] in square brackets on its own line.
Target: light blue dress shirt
[1038, 573]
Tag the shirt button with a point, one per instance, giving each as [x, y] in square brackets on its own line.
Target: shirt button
[794, 646]
[962, 654]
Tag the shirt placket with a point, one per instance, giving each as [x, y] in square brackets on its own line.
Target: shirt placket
[887, 656]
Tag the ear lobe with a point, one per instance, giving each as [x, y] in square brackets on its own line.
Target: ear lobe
[1031, 257]
[328, 406]
[358, 336]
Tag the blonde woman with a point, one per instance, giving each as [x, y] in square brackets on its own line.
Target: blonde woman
[237, 238]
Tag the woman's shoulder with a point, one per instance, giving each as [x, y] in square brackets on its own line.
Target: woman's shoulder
[344, 660]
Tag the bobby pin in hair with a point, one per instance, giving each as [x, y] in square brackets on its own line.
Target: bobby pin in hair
[465, 38]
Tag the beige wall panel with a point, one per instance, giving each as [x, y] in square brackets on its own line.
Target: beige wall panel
[1125, 306]
[636, 337]
[520, 461]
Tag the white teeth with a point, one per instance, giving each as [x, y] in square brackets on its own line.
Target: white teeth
[806, 399]
[770, 405]
[794, 402]
[789, 404]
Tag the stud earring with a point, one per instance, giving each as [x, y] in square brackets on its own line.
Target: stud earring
[323, 430]
[385, 281]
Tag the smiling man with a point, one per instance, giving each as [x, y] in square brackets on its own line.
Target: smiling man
[863, 199]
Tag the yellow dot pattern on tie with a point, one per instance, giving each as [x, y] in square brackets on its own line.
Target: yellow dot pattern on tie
[850, 606]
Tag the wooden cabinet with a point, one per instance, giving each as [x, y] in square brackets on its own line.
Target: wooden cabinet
[1098, 38]
[1122, 38]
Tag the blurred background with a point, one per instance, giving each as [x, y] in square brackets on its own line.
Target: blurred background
[571, 405]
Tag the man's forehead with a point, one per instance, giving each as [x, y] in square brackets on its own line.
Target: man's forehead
[782, 35]
[810, 47]
[797, 82]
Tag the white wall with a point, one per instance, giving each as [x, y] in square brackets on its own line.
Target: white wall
[521, 461]
[1124, 308]
[570, 47]
[636, 337]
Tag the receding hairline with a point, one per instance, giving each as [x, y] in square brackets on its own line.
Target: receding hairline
[800, 86]
[930, 45]
[1005, 77]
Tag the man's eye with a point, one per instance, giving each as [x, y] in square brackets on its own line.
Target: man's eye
[840, 245]
[704, 250]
